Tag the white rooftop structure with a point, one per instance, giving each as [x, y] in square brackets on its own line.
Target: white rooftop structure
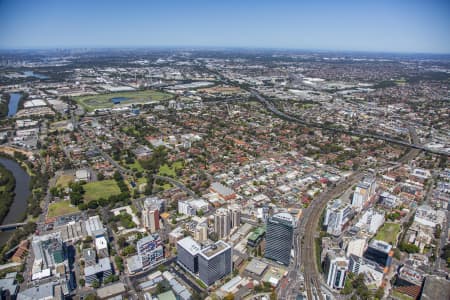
[190, 245]
[94, 226]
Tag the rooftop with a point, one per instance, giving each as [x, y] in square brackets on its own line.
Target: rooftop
[256, 266]
[214, 249]
[103, 265]
[189, 245]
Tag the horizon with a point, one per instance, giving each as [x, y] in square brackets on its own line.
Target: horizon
[220, 48]
[407, 27]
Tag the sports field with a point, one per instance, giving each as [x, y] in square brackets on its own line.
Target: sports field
[100, 189]
[61, 208]
[93, 102]
[388, 233]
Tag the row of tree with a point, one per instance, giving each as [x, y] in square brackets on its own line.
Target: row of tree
[7, 185]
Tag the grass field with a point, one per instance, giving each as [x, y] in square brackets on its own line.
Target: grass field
[136, 97]
[400, 296]
[100, 189]
[136, 165]
[165, 170]
[61, 208]
[64, 180]
[388, 233]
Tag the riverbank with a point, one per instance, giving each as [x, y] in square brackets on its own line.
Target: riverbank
[18, 208]
[7, 186]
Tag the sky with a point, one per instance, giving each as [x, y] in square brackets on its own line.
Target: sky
[362, 25]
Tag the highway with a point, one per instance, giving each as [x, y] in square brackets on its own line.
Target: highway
[270, 106]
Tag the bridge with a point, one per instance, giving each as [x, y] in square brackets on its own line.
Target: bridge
[12, 226]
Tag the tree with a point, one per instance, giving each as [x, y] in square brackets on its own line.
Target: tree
[379, 293]
[95, 284]
[160, 288]
[229, 296]
[273, 296]
[122, 242]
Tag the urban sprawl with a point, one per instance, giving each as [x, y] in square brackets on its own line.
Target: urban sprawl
[206, 174]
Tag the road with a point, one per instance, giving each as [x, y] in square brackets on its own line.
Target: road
[305, 234]
[270, 106]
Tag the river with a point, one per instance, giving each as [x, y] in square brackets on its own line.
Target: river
[18, 208]
[14, 99]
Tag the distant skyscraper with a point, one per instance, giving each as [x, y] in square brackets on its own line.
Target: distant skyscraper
[222, 222]
[215, 262]
[279, 236]
[336, 267]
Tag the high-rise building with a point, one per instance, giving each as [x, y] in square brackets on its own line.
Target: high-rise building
[201, 232]
[336, 216]
[364, 191]
[150, 250]
[150, 215]
[98, 271]
[215, 262]
[187, 254]
[235, 216]
[279, 236]
[372, 272]
[222, 222]
[371, 220]
[49, 252]
[150, 218]
[336, 267]
[155, 202]
[379, 252]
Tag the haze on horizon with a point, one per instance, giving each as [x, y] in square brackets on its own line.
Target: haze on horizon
[378, 26]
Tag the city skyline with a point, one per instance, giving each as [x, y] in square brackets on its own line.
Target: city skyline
[382, 26]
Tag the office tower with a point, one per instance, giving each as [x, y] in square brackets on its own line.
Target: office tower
[215, 262]
[279, 236]
[150, 250]
[187, 254]
[364, 191]
[336, 267]
[201, 232]
[379, 252]
[336, 216]
[222, 223]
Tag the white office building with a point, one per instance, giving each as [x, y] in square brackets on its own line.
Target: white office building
[371, 220]
[336, 216]
[336, 267]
